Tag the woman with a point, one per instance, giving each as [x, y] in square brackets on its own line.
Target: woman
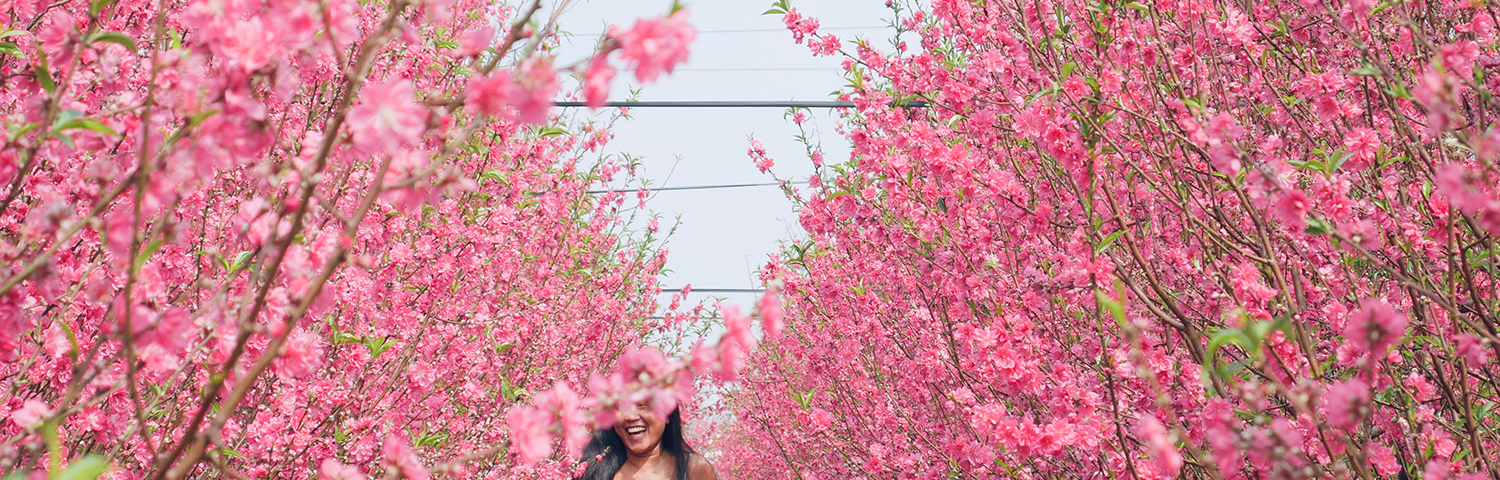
[643, 447]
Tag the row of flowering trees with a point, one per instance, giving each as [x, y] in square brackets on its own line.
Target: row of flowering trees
[334, 238]
[1145, 239]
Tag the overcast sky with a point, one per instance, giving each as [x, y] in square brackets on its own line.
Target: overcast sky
[739, 54]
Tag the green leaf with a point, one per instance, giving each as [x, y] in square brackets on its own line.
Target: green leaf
[200, 117]
[10, 49]
[65, 116]
[11, 33]
[504, 347]
[116, 38]
[804, 399]
[98, 6]
[1114, 308]
[1138, 6]
[72, 338]
[378, 345]
[496, 175]
[1366, 71]
[43, 73]
[88, 124]
[227, 452]
[1232, 336]
[1318, 226]
[510, 392]
[1399, 91]
[241, 260]
[89, 467]
[1257, 332]
[551, 131]
[1109, 241]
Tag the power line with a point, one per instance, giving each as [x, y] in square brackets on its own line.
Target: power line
[754, 30]
[740, 104]
[753, 69]
[695, 187]
[717, 291]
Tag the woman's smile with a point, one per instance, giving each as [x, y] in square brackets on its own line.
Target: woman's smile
[636, 433]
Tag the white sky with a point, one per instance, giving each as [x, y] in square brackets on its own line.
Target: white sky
[726, 234]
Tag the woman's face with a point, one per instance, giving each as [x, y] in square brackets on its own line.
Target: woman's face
[640, 429]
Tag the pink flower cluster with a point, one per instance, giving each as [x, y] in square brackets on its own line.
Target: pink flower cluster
[654, 46]
[1157, 239]
[295, 238]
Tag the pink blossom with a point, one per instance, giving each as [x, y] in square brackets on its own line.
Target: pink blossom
[1472, 349]
[1076, 87]
[537, 84]
[1168, 459]
[399, 455]
[734, 347]
[563, 403]
[758, 153]
[1438, 441]
[30, 414]
[251, 43]
[303, 355]
[405, 166]
[1375, 326]
[1459, 57]
[821, 418]
[332, 469]
[828, 45]
[528, 433]
[59, 37]
[771, 315]
[1421, 389]
[596, 81]
[799, 25]
[475, 41]
[656, 45]
[1437, 470]
[1363, 144]
[489, 95]
[1465, 191]
[1346, 403]
[387, 117]
[1383, 459]
[1291, 209]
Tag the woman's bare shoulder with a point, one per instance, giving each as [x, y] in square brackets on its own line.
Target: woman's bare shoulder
[700, 469]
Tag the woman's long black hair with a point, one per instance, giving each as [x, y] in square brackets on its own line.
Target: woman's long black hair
[605, 453]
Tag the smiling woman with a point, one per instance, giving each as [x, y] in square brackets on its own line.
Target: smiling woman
[644, 447]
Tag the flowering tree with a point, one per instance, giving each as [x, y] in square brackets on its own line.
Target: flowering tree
[291, 238]
[1153, 238]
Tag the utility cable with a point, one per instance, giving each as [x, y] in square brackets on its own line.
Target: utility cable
[717, 290]
[755, 30]
[740, 104]
[694, 187]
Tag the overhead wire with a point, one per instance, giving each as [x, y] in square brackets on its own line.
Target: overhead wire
[739, 104]
[750, 30]
[716, 290]
[695, 187]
